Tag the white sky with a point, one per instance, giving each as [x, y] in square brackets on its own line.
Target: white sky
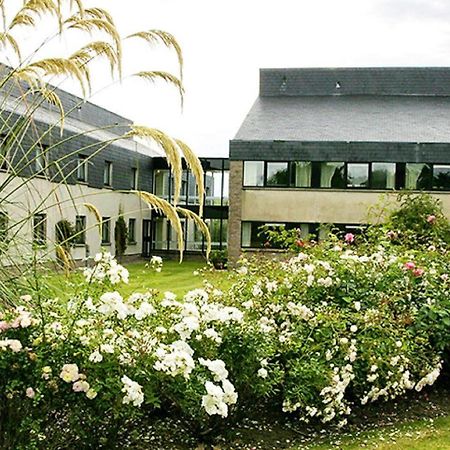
[225, 43]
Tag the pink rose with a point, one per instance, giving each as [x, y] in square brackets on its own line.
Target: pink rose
[418, 272]
[349, 238]
[431, 218]
[409, 265]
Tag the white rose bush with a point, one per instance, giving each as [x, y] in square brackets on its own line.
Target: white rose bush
[316, 335]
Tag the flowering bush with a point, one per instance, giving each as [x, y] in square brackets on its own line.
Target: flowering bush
[328, 328]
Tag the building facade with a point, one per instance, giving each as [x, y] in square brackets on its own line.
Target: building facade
[320, 145]
[84, 168]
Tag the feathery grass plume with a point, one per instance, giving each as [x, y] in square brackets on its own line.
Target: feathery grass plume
[34, 8]
[92, 209]
[170, 148]
[65, 257]
[153, 36]
[54, 66]
[7, 39]
[166, 76]
[51, 97]
[196, 168]
[98, 13]
[163, 206]
[91, 25]
[98, 48]
[200, 224]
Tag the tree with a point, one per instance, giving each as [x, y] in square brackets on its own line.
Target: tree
[120, 237]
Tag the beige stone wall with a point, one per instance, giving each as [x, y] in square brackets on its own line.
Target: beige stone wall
[22, 198]
[235, 210]
[315, 206]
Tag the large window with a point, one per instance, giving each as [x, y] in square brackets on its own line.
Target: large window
[358, 175]
[161, 183]
[383, 176]
[441, 177]
[277, 174]
[80, 230]
[332, 175]
[39, 229]
[418, 176]
[253, 173]
[253, 235]
[301, 173]
[82, 168]
[134, 178]
[108, 173]
[106, 230]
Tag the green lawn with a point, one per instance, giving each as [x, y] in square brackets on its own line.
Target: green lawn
[175, 277]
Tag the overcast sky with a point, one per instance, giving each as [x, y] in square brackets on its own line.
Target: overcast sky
[226, 42]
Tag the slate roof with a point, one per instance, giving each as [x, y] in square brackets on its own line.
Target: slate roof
[348, 119]
[356, 81]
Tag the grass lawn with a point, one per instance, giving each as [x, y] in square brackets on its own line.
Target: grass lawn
[419, 422]
[176, 277]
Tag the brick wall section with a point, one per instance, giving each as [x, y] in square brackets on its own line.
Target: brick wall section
[234, 219]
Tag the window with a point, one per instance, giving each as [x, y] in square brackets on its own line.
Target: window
[131, 231]
[253, 173]
[4, 153]
[134, 178]
[82, 168]
[358, 175]
[161, 183]
[301, 174]
[80, 229]
[41, 158]
[107, 173]
[3, 226]
[39, 229]
[418, 176]
[277, 174]
[106, 230]
[332, 175]
[253, 236]
[441, 177]
[383, 176]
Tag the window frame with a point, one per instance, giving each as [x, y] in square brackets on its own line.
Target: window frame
[106, 225]
[131, 236]
[108, 174]
[80, 233]
[82, 164]
[39, 236]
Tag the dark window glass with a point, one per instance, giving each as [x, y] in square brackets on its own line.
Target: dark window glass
[134, 178]
[277, 174]
[106, 230]
[358, 175]
[80, 229]
[107, 173]
[39, 229]
[418, 176]
[441, 177]
[253, 173]
[332, 175]
[131, 230]
[383, 176]
[4, 152]
[161, 183]
[82, 168]
[3, 226]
